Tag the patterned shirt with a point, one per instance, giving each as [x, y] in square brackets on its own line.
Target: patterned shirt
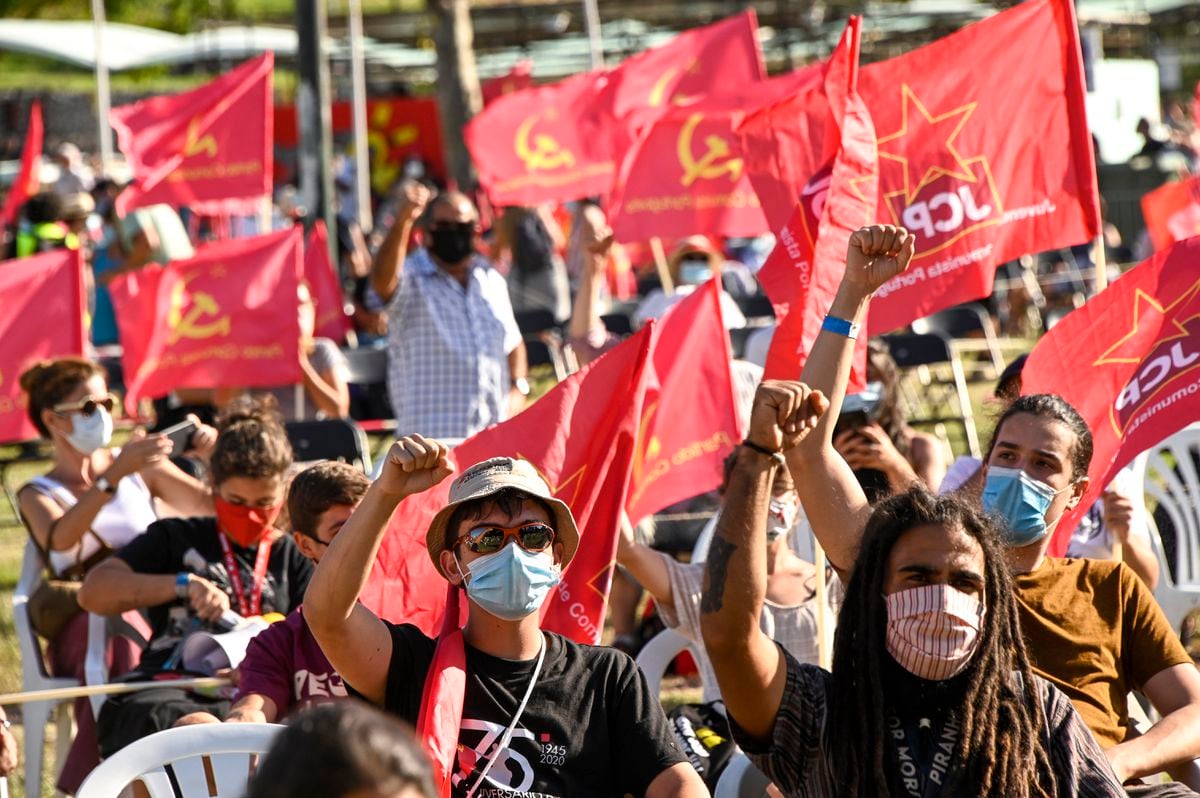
[797, 757]
[448, 347]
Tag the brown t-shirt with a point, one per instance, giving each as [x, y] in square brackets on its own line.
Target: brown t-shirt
[1096, 632]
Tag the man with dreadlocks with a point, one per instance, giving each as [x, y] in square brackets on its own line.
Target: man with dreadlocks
[931, 693]
[1092, 628]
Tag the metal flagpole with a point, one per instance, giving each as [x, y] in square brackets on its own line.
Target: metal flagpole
[358, 80]
[591, 15]
[103, 97]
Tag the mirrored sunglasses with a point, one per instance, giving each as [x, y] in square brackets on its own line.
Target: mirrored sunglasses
[534, 536]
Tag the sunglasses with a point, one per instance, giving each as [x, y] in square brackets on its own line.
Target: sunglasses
[534, 536]
[462, 227]
[87, 406]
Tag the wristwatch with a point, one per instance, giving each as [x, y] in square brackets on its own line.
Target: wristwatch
[522, 386]
[103, 484]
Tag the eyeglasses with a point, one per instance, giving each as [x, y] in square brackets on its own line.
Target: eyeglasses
[87, 406]
[534, 536]
[460, 227]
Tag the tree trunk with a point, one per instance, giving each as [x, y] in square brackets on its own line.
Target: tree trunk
[458, 92]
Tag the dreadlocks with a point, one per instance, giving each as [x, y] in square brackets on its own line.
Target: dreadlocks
[1000, 744]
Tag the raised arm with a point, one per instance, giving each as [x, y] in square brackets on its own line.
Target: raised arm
[595, 241]
[750, 670]
[829, 492]
[389, 261]
[645, 565]
[357, 642]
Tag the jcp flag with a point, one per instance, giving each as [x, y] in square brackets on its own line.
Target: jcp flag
[1129, 362]
[228, 317]
[208, 148]
[43, 301]
[984, 154]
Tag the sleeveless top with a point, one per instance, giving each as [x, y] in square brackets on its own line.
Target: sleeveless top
[124, 517]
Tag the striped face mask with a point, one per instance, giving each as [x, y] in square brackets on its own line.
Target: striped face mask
[933, 630]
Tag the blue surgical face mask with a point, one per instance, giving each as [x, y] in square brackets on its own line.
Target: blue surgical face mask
[1021, 501]
[694, 273]
[511, 583]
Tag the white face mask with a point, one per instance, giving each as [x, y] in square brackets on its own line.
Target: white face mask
[89, 433]
[933, 630]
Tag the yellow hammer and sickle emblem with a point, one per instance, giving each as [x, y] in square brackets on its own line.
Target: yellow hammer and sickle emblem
[715, 162]
[658, 92]
[195, 143]
[545, 153]
[189, 325]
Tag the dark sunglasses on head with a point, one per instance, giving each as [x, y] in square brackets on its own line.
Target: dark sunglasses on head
[534, 536]
[87, 406]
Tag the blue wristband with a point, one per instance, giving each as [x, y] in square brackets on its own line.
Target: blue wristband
[841, 327]
[181, 585]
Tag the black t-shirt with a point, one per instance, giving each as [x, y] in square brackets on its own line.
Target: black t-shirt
[190, 544]
[592, 727]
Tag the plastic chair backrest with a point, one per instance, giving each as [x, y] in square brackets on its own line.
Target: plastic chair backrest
[330, 439]
[659, 653]
[957, 322]
[34, 675]
[1172, 479]
[917, 349]
[227, 749]
[366, 365]
[532, 322]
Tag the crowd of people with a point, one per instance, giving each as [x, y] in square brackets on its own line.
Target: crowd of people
[965, 660]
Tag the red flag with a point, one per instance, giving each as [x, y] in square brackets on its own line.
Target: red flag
[543, 144]
[321, 277]
[720, 57]
[226, 317]
[582, 444]
[555, 143]
[681, 173]
[1172, 212]
[689, 419]
[26, 183]
[519, 78]
[208, 148]
[804, 270]
[1138, 342]
[33, 291]
[439, 721]
[979, 171]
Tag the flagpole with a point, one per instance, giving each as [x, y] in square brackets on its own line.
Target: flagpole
[591, 14]
[660, 264]
[114, 688]
[358, 81]
[103, 97]
[824, 657]
[1100, 279]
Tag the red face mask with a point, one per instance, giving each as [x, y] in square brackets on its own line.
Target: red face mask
[243, 524]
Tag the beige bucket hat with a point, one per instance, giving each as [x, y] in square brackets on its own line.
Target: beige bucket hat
[490, 477]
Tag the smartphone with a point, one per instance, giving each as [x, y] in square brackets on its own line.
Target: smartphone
[180, 436]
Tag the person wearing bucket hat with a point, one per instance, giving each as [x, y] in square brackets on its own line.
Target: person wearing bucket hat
[541, 714]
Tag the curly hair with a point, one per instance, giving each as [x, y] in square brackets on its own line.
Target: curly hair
[50, 382]
[251, 441]
[1001, 718]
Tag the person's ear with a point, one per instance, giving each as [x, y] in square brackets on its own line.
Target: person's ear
[54, 421]
[450, 567]
[1078, 490]
[306, 545]
[559, 551]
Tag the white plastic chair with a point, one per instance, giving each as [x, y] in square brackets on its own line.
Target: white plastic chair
[740, 779]
[34, 676]
[226, 750]
[658, 654]
[1167, 474]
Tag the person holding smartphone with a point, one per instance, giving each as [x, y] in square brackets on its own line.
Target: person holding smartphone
[95, 499]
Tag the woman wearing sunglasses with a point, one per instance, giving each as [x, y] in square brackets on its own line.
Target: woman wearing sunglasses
[95, 499]
[541, 714]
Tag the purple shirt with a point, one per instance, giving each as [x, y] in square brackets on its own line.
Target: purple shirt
[285, 664]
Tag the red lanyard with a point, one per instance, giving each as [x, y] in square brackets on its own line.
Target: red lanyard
[235, 576]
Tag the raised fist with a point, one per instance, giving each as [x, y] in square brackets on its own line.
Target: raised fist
[876, 254]
[784, 413]
[415, 464]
